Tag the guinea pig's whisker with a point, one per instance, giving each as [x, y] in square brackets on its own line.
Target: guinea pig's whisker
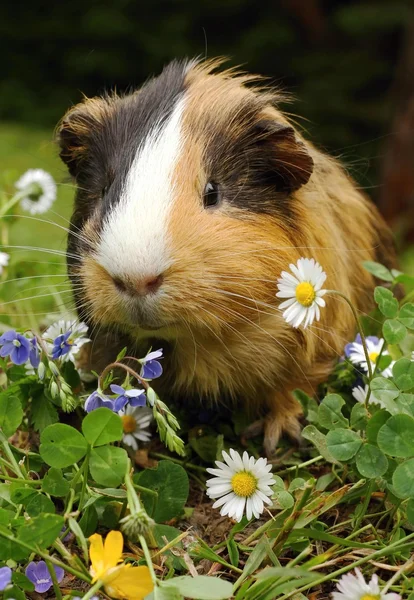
[45, 250]
[33, 297]
[33, 277]
[82, 238]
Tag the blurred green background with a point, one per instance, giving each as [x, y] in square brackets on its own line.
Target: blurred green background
[348, 64]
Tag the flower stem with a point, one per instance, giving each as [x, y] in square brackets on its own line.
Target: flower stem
[119, 365]
[52, 573]
[17, 197]
[10, 456]
[148, 558]
[85, 469]
[361, 333]
[92, 590]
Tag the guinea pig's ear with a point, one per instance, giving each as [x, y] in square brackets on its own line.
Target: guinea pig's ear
[289, 159]
[76, 130]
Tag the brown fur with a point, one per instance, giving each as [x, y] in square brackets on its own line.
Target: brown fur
[228, 339]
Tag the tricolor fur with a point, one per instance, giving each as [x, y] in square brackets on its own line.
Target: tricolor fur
[142, 162]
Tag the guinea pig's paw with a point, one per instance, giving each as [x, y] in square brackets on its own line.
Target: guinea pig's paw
[253, 430]
[283, 419]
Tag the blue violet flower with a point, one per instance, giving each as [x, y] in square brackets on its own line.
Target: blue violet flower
[38, 573]
[131, 397]
[151, 368]
[97, 400]
[34, 354]
[5, 578]
[61, 346]
[16, 346]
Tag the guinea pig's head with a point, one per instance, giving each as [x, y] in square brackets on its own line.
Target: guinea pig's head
[187, 202]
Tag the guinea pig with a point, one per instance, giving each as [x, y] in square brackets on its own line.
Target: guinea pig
[193, 194]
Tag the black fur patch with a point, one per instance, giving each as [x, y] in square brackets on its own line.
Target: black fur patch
[111, 146]
[257, 163]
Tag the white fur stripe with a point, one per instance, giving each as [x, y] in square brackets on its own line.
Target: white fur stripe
[134, 238]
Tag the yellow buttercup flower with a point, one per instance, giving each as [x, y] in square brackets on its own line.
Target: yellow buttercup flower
[119, 579]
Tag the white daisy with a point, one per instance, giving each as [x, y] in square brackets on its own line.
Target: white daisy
[135, 422]
[360, 393]
[356, 354]
[4, 261]
[354, 587]
[241, 483]
[303, 290]
[76, 339]
[41, 191]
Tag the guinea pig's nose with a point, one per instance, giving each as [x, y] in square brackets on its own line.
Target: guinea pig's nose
[140, 286]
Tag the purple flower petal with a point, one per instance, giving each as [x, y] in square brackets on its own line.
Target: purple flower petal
[19, 355]
[42, 572]
[120, 403]
[139, 401]
[60, 573]
[31, 572]
[43, 585]
[7, 348]
[5, 577]
[96, 401]
[9, 336]
[34, 355]
[151, 370]
[117, 389]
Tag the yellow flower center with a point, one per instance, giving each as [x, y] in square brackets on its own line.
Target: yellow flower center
[129, 424]
[370, 597]
[305, 293]
[244, 484]
[373, 356]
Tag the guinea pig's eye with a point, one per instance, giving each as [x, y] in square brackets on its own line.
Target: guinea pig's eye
[104, 190]
[211, 196]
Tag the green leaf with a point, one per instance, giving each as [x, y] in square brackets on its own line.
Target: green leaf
[330, 414]
[394, 331]
[170, 481]
[102, 426]
[283, 499]
[22, 581]
[33, 501]
[371, 462]
[396, 436]
[410, 511]
[42, 413]
[374, 425]
[11, 550]
[386, 391]
[403, 479]
[343, 444]
[386, 301]
[11, 413]
[406, 316]
[41, 531]
[313, 435]
[403, 373]
[55, 484]
[14, 593]
[201, 587]
[169, 533]
[359, 417]
[233, 552]
[62, 446]
[38, 504]
[89, 521]
[378, 270]
[108, 465]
